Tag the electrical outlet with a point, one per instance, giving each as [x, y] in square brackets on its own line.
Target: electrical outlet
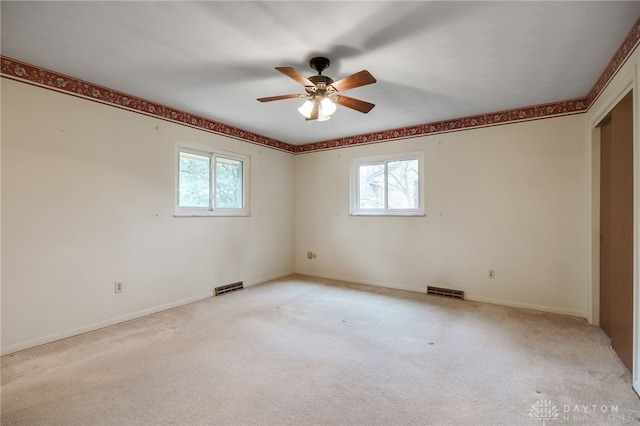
[117, 287]
[492, 273]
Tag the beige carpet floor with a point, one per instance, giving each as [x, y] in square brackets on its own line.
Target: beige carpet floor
[303, 351]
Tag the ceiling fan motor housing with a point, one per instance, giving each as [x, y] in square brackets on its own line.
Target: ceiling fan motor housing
[321, 88]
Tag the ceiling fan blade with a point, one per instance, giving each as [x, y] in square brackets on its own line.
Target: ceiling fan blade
[277, 98]
[358, 79]
[296, 75]
[356, 104]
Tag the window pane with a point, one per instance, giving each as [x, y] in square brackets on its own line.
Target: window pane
[194, 180]
[404, 184]
[371, 186]
[228, 183]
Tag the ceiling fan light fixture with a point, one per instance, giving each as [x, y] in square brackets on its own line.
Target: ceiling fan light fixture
[327, 107]
[306, 108]
[322, 117]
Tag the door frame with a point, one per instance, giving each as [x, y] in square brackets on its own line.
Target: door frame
[617, 90]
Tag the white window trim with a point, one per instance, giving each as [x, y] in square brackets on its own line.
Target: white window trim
[355, 187]
[212, 152]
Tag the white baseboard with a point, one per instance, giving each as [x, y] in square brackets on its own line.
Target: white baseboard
[552, 309]
[106, 323]
[98, 325]
[117, 320]
[358, 281]
[543, 308]
[269, 278]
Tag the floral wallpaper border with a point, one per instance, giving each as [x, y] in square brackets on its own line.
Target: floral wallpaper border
[24, 72]
[619, 58]
[51, 80]
[503, 117]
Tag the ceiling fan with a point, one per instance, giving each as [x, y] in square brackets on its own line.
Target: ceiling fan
[323, 93]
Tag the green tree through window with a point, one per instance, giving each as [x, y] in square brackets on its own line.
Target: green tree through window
[211, 183]
[228, 183]
[195, 180]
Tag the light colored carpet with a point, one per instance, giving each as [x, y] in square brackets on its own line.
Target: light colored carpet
[302, 351]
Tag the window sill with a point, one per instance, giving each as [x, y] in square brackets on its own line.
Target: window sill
[211, 214]
[390, 214]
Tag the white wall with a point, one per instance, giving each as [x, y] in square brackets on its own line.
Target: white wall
[513, 198]
[87, 200]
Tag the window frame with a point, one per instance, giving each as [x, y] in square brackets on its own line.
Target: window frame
[356, 163]
[213, 154]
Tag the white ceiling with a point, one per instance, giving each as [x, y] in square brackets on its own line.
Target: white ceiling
[433, 60]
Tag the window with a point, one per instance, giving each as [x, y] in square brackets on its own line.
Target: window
[211, 182]
[388, 185]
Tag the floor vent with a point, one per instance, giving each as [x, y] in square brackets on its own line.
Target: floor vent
[445, 292]
[227, 288]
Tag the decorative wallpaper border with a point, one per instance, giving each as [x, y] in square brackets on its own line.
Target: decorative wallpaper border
[617, 61]
[484, 120]
[31, 74]
[24, 72]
